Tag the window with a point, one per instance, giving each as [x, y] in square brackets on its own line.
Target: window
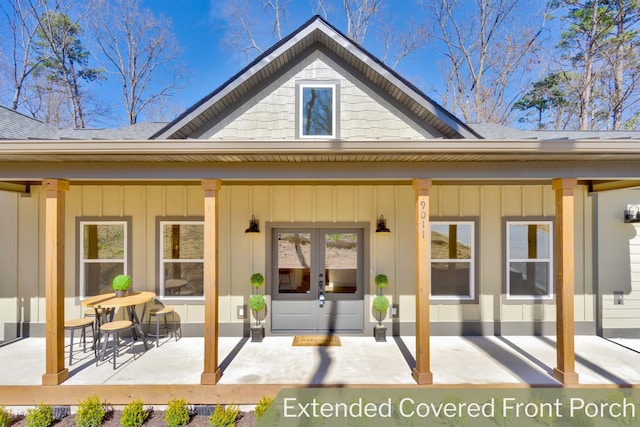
[317, 113]
[104, 253]
[529, 254]
[452, 259]
[181, 258]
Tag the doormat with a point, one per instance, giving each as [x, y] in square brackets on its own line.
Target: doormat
[316, 340]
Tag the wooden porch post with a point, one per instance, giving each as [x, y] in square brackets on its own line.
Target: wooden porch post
[422, 372]
[55, 190]
[211, 373]
[564, 268]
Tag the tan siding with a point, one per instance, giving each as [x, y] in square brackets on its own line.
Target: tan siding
[324, 202]
[303, 204]
[511, 201]
[91, 201]
[242, 254]
[9, 260]
[533, 200]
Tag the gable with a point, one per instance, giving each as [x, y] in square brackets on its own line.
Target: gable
[279, 59]
[273, 113]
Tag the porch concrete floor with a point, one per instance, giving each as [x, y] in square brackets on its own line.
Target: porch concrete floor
[360, 360]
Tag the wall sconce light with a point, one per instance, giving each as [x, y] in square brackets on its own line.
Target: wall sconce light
[253, 226]
[632, 214]
[382, 225]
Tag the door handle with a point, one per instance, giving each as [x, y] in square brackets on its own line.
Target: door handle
[321, 300]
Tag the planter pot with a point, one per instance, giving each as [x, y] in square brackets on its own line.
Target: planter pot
[380, 333]
[257, 333]
[121, 294]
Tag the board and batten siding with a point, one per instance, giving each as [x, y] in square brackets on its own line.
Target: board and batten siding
[271, 113]
[242, 254]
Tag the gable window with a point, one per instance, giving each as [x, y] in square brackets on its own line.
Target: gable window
[317, 110]
[181, 258]
[104, 253]
[452, 259]
[529, 259]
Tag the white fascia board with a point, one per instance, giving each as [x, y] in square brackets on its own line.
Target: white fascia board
[185, 147]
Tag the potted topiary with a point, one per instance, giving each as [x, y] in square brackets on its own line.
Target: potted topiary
[380, 306]
[121, 283]
[257, 303]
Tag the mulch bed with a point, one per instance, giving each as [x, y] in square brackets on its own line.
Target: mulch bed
[112, 419]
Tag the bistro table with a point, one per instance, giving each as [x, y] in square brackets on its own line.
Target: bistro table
[109, 302]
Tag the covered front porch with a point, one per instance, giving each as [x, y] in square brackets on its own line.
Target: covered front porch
[253, 370]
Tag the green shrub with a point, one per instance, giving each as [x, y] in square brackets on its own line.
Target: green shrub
[257, 280]
[134, 414]
[262, 406]
[257, 302]
[381, 280]
[380, 303]
[6, 417]
[40, 416]
[177, 413]
[224, 416]
[90, 412]
[121, 282]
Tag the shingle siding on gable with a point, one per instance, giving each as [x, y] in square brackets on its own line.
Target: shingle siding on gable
[271, 113]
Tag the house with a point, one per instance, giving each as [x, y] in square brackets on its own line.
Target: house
[315, 144]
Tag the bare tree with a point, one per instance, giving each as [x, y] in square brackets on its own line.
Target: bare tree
[246, 18]
[140, 50]
[359, 14]
[397, 45]
[23, 20]
[244, 22]
[487, 54]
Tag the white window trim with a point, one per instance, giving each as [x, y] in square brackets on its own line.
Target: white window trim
[471, 261]
[334, 101]
[161, 259]
[83, 261]
[545, 260]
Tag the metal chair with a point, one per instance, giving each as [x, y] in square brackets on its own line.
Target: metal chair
[114, 329]
[162, 312]
[71, 325]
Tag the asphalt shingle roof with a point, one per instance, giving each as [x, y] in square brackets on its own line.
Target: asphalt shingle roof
[17, 126]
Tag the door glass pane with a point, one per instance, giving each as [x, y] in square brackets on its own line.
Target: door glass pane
[341, 262]
[294, 263]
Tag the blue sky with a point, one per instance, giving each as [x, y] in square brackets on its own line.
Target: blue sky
[200, 26]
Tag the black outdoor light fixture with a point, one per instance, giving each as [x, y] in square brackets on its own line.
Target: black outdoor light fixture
[253, 226]
[382, 225]
[632, 214]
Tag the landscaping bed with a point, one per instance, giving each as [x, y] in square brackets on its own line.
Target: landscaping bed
[156, 419]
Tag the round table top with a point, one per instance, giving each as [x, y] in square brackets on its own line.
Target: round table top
[112, 301]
